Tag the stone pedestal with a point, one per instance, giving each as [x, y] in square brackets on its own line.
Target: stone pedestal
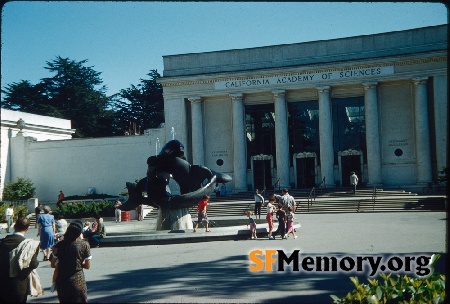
[31, 205]
[178, 219]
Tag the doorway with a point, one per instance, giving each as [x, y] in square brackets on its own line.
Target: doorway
[306, 172]
[262, 175]
[350, 163]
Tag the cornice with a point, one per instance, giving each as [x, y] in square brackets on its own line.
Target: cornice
[211, 79]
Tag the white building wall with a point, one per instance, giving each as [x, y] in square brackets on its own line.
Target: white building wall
[36, 126]
[105, 164]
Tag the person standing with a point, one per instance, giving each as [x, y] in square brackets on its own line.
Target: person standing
[9, 216]
[202, 209]
[286, 199]
[140, 212]
[37, 213]
[16, 250]
[269, 216]
[46, 231]
[353, 181]
[72, 255]
[217, 190]
[252, 224]
[117, 211]
[259, 201]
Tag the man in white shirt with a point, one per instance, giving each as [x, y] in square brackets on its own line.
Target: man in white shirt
[353, 181]
[9, 215]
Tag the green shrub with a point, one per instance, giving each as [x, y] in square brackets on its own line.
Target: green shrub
[82, 210]
[19, 211]
[430, 289]
[20, 190]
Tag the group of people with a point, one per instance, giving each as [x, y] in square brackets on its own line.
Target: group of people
[19, 261]
[284, 213]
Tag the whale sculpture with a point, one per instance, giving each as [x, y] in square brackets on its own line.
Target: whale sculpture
[194, 181]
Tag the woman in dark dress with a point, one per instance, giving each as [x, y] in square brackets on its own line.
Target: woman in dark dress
[70, 257]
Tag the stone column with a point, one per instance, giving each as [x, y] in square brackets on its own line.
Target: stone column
[282, 138]
[176, 118]
[372, 134]
[198, 155]
[422, 131]
[326, 136]
[239, 144]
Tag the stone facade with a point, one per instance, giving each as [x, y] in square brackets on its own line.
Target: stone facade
[400, 76]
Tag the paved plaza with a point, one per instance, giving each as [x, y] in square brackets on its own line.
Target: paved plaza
[217, 270]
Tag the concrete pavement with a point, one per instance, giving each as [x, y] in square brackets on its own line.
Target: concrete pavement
[217, 270]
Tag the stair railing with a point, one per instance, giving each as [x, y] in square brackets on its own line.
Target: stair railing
[374, 197]
[311, 197]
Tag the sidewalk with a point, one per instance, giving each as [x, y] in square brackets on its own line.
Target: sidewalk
[139, 233]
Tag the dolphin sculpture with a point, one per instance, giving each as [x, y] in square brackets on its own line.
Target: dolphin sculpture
[194, 181]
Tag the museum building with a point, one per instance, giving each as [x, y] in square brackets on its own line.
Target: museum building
[304, 114]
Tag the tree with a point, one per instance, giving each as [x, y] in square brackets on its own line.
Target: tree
[141, 105]
[20, 190]
[75, 92]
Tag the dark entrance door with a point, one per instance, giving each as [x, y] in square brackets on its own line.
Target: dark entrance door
[262, 177]
[350, 163]
[306, 173]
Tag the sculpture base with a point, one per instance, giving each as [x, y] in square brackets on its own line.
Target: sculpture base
[177, 219]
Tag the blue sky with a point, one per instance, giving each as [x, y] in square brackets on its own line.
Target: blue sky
[125, 40]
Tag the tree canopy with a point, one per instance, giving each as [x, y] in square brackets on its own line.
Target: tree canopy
[77, 92]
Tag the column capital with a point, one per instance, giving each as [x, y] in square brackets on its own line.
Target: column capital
[236, 96]
[279, 93]
[420, 80]
[195, 99]
[370, 85]
[323, 89]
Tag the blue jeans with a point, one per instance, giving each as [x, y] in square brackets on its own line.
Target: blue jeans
[9, 221]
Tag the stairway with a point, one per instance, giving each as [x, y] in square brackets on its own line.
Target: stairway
[333, 200]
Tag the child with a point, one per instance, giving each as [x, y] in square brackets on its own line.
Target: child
[281, 216]
[252, 224]
[269, 216]
[290, 222]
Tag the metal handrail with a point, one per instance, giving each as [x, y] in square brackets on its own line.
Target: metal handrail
[374, 197]
[311, 197]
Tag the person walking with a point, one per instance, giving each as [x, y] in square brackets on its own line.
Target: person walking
[269, 216]
[72, 256]
[259, 201]
[202, 212]
[290, 216]
[353, 181]
[46, 232]
[20, 253]
[9, 216]
[117, 211]
[37, 213]
[281, 216]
